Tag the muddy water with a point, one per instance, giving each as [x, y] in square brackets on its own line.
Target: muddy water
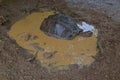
[27, 34]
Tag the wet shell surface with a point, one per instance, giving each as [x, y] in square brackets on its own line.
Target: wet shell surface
[60, 26]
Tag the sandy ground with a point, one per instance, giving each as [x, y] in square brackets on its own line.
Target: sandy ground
[14, 64]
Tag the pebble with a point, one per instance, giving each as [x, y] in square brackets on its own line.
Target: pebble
[49, 55]
[27, 37]
[34, 37]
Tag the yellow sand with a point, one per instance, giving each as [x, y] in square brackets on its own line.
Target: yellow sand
[76, 51]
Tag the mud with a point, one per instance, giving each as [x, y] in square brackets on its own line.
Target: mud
[14, 63]
[76, 51]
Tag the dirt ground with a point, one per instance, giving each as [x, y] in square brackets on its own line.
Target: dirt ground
[110, 7]
[14, 64]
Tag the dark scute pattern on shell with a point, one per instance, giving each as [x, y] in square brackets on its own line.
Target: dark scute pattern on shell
[60, 26]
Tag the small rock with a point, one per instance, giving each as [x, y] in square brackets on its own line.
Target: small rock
[49, 55]
[27, 37]
[34, 37]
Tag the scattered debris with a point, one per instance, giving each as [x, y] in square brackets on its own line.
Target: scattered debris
[88, 30]
[86, 27]
[49, 55]
[36, 46]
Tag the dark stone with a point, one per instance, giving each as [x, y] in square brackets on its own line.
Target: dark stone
[60, 26]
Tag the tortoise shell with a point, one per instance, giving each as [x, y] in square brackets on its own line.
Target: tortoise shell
[60, 26]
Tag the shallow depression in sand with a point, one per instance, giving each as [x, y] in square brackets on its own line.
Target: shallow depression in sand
[27, 34]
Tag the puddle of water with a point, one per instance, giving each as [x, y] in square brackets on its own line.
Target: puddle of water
[76, 51]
